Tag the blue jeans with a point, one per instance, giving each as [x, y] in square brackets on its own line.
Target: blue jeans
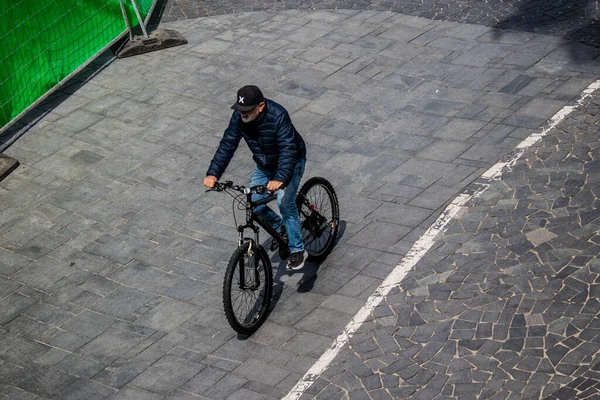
[286, 200]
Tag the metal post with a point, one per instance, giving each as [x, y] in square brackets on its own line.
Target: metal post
[126, 20]
[139, 17]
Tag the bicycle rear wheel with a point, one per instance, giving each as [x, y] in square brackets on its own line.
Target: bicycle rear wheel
[319, 217]
[247, 288]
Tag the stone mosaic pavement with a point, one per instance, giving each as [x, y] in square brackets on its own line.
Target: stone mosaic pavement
[577, 20]
[506, 304]
[112, 254]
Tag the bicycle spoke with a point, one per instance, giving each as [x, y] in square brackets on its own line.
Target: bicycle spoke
[318, 217]
[317, 234]
[247, 302]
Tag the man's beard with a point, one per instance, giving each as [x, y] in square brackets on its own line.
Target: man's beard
[248, 118]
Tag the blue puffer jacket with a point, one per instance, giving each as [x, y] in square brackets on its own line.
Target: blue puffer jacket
[272, 138]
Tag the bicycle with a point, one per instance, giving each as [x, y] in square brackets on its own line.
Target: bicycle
[248, 282]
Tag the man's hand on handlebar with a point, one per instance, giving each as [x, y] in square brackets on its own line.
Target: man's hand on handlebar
[210, 181]
[274, 185]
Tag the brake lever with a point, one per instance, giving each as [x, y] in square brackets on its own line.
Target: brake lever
[219, 187]
[259, 189]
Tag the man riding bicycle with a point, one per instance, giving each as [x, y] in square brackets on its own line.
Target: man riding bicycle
[280, 156]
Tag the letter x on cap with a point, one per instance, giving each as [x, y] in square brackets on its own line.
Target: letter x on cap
[248, 97]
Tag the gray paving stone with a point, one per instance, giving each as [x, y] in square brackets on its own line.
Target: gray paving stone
[459, 129]
[123, 301]
[378, 270]
[360, 286]
[313, 322]
[226, 387]
[177, 287]
[41, 380]
[168, 315]
[212, 317]
[123, 248]
[517, 84]
[451, 43]
[300, 89]
[137, 275]
[402, 215]
[168, 374]
[260, 372]
[344, 304]
[15, 393]
[118, 377]
[79, 366]
[296, 308]
[44, 273]
[132, 393]
[443, 150]
[204, 380]
[78, 196]
[65, 340]
[157, 176]
[88, 324]
[13, 304]
[111, 344]
[19, 351]
[48, 314]
[524, 121]
[380, 235]
[138, 196]
[78, 121]
[480, 54]
[99, 285]
[272, 334]
[26, 229]
[218, 362]
[419, 173]
[295, 102]
[307, 343]
[248, 394]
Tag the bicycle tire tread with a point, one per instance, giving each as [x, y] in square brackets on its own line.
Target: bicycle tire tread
[314, 181]
[228, 281]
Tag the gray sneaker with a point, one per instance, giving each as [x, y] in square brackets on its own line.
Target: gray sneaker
[296, 261]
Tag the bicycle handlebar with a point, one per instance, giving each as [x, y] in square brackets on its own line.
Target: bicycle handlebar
[219, 187]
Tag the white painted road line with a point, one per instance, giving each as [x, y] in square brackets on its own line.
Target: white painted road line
[495, 172]
[423, 244]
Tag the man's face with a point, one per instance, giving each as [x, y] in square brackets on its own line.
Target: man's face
[251, 115]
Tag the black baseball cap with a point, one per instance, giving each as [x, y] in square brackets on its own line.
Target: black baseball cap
[248, 97]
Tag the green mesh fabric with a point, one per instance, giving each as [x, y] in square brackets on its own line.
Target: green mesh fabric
[43, 41]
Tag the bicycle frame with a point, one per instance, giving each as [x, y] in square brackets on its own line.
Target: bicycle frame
[248, 281]
[252, 217]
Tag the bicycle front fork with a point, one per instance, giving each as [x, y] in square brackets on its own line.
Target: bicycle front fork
[248, 265]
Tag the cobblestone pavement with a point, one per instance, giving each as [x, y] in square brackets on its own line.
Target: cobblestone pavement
[574, 19]
[112, 254]
[506, 305]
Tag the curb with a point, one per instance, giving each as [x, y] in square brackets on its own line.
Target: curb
[7, 165]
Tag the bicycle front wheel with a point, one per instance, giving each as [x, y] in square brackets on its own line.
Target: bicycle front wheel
[247, 288]
[319, 217]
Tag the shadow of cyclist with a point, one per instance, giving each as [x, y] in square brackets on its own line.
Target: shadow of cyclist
[309, 272]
